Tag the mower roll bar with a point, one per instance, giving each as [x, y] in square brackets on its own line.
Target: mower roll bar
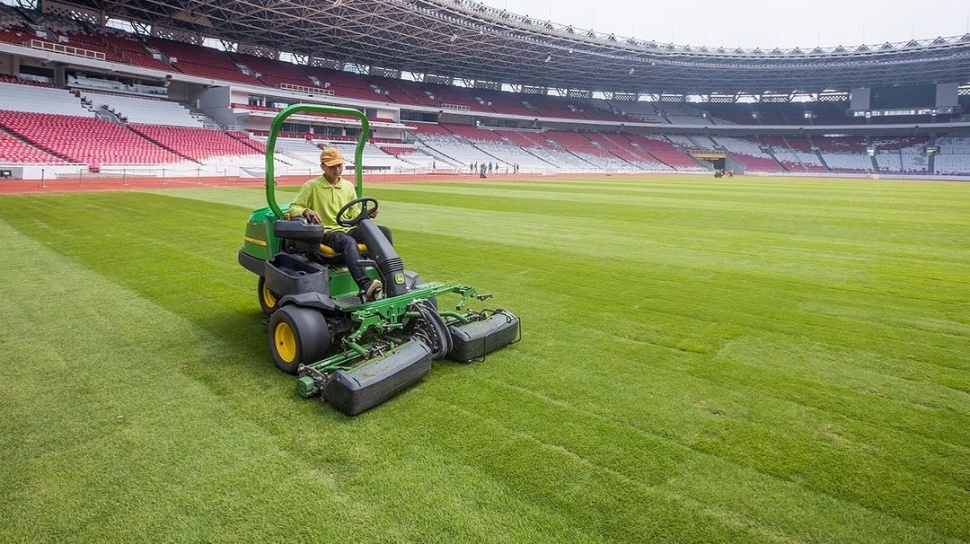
[274, 131]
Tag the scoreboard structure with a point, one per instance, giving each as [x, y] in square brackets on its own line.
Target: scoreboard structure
[898, 100]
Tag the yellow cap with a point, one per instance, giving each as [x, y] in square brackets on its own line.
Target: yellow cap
[331, 157]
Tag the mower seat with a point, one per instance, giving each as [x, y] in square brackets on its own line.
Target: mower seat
[308, 234]
[329, 252]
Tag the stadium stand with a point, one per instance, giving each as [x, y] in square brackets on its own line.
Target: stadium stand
[642, 112]
[193, 143]
[201, 61]
[665, 152]
[508, 104]
[118, 119]
[345, 84]
[512, 155]
[144, 110]
[472, 133]
[373, 156]
[84, 139]
[749, 154]
[13, 150]
[953, 156]
[682, 114]
[40, 99]
[455, 98]
[259, 147]
[409, 93]
[273, 72]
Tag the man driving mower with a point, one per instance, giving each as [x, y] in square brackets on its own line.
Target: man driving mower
[319, 200]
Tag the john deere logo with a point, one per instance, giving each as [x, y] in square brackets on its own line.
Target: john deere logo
[399, 278]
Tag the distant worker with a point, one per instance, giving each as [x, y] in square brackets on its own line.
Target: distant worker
[319, 200]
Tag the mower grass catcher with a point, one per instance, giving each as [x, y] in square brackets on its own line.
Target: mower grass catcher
[352, 353]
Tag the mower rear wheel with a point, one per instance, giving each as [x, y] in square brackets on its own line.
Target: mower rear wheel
[267, 299]
[298, 336]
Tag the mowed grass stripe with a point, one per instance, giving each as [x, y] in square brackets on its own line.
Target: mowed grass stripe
[951, 354]
[107, 438]
[793, 198]
[697, 211]
[616, 386]
[366, 474]
[955, 355]
[663, 470]
[708, 309]
[358, 456]
[691, 385]
[820, 280]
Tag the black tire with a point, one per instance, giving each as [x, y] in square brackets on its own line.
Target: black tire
[434, 330]
[267, 299]
[298, 336]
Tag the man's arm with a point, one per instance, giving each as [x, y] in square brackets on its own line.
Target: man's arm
[298, 207]
[347, 194]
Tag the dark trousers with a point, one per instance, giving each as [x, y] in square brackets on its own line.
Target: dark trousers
[346, 244]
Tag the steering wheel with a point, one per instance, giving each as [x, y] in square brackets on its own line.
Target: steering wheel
[365, 211]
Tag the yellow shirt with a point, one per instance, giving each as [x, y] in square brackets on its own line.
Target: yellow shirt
[318, 195]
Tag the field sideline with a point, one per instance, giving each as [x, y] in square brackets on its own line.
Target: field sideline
[737, 360]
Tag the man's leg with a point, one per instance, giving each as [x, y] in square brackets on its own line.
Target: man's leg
[376, 285]
[355, 233]
[341, 243]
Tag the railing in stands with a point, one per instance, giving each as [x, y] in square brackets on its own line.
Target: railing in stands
[67, 50]
[305, 89]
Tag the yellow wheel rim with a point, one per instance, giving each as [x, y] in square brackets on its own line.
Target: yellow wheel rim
[285, 342]
[268, 298]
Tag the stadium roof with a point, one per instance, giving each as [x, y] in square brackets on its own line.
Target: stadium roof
[469, 41]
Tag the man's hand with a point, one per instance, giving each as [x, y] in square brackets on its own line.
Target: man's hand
[312, 216]
[372, 213]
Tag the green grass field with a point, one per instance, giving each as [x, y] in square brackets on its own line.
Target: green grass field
[743, 360]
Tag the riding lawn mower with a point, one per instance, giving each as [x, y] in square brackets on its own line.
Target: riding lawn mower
[349, 351]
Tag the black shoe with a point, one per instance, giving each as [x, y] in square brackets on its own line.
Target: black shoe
[372, 290]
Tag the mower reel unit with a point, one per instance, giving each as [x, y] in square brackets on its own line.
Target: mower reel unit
[352, 353]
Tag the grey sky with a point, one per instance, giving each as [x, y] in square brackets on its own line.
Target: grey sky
[756, 23]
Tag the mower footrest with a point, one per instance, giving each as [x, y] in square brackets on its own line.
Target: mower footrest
[377, 380]
[473, 340]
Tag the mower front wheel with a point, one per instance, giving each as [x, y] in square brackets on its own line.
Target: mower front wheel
[298, 336]
[267, 299]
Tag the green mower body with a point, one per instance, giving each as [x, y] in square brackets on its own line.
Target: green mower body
[353, 353]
